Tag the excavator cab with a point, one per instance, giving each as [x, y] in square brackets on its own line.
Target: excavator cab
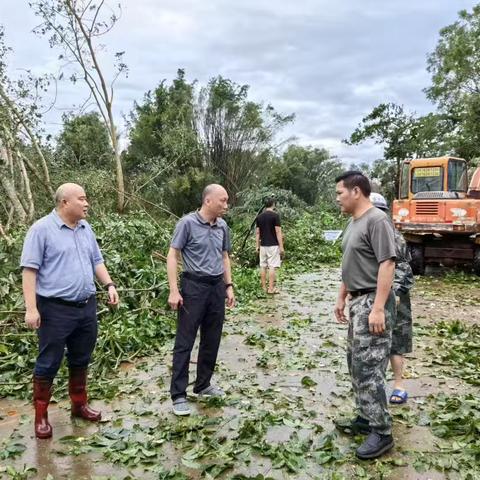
[438, 212]
[444, 177]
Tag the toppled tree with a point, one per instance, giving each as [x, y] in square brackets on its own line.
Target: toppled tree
[76, 26]
[19, 113]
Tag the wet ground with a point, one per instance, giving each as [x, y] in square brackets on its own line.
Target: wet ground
[285, 373]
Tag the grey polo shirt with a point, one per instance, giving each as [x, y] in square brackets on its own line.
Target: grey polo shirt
[202, 244]
[64, 257]
[367, 242]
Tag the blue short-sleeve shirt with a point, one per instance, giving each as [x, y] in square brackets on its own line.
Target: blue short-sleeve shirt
[64, 257]
[202, 244]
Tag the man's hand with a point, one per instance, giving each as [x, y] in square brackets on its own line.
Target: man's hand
[397, 301]
[113, 297]
[257, 249]
[340, 311]
[175, 300]
[282, 253]
[376, 321]
[32, 318]
[230, 297]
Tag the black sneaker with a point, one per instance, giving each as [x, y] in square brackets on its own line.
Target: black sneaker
[374, 446]
[356, 426]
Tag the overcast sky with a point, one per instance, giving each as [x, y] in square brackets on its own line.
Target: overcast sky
[329, 62]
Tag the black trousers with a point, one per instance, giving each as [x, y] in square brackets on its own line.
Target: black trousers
[63, 327]
[204, 308]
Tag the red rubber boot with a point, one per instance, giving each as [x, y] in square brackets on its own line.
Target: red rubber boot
[42, 392]
[77, 388]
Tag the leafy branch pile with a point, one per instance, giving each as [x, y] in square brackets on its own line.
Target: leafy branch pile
[455, 420]
[140, 326]
[457, 347]
[134, 248]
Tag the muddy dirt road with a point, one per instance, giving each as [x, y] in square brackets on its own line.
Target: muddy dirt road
[283, 365]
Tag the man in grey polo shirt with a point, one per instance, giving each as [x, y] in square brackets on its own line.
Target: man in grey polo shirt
[202, 239]
[60, 259]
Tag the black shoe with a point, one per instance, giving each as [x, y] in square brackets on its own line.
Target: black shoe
[374, 446]
[356, 426]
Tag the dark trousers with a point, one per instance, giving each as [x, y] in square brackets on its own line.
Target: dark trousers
[65, 326]
[204, 308]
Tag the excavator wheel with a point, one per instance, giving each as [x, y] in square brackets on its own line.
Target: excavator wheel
[418, 262]
[476, 261]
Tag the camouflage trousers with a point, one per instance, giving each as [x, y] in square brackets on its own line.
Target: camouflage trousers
[367, 358]
[402, 332]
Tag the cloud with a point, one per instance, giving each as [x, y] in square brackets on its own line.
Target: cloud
[328, 62]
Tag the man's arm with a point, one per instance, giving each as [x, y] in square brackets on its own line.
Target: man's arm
[175, 300]
[257, 239]
[376, 319]
[278, 232]
[227, 277]
[29, 283]
[340, 305]
[104, 278]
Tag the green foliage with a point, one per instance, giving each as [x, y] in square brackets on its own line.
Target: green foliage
[183, 194]
[236, 133]
[99, 185]
[454, 128]
[140, 326]
[456, 420]
[84, 142]
[11, 448]
[458, 348]
[252, 201]
[454, 66]
[403, 136]
[24, 474]
[163, 133]
[305, 246]
[134, 248]
[306, 171]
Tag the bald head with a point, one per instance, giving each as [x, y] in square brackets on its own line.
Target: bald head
[67, 191]
[214, 200]
[71, 202]
[213, 189]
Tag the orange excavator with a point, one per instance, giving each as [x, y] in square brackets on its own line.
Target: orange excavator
[439, 213]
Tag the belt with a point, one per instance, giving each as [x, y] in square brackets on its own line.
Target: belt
[358, 293]
[61, 301]
[208, 279]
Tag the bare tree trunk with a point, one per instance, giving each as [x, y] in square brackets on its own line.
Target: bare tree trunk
[4, 235]
[9, 187]
[33, 139]
[27, 188]
[13, 198]
[118, 170]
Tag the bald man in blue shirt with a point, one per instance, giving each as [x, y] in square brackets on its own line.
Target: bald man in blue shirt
[60, 260]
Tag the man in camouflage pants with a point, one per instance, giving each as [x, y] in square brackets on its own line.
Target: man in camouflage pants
[367, 273]
[402, 330]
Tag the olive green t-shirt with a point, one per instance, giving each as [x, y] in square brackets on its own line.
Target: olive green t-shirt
[367, 242]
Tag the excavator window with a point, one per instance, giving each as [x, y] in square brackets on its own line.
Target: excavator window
[427, 179]
[405, 175]
[457, 176]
